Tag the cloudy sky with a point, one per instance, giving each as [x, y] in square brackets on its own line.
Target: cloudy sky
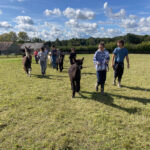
[65, 19]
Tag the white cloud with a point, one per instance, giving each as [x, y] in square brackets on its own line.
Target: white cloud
[52, 34]
[25, 23]
[132, 16]
[82, 29]
[5, 25]
[105, 5]
[143, 26]
[144, 22]
[113, 32]
[24, 20]
[78, 14]
[26, 27]
[143, 30]
[55, 12]
[51, 31]
[129, 23]
[109, 12]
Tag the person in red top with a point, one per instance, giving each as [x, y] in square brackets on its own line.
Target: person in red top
[36, 56]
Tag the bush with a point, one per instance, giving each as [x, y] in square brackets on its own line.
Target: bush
[143, 48]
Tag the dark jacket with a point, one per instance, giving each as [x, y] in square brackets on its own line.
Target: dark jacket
[72, 57]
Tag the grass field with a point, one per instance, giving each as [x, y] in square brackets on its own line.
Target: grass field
[38, 113]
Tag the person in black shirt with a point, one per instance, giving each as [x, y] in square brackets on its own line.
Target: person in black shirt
[72, 56]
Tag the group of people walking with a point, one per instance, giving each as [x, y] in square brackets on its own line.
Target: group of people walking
[42, 56]
[101, 61]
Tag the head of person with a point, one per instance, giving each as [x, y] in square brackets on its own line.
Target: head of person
[72, 50]
[53, 47]
[42, 49]
[120, 43]
[101, 46]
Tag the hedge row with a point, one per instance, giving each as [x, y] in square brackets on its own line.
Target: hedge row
[143, 48]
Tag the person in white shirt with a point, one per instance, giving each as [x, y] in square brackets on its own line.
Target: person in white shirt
[101, 61]
[43, 61]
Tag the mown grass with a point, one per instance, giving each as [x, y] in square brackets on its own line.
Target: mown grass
[39, 113]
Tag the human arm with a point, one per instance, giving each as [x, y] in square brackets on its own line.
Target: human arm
[95, 60]
[127, 59]
[107, 58]
[113, 58]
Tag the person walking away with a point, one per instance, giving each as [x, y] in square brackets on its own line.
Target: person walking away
[43, 60]
[54, 56]
[72, 56]
[61, 55]
[101, 62]
[46, 51]
[36, 56]
[119, 54]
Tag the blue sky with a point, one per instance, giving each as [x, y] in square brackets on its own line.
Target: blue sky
[65, 19]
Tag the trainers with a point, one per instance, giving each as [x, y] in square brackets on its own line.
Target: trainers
[114, 83]
[119, 85]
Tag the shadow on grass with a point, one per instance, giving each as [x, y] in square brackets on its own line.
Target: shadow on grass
[49, 76]
[138, 99]
[41, 77]
[107, 99]
[2, 126]
[136, 88]
[89, 73]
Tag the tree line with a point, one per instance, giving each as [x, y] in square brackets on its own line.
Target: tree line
[135, 43]
[20, 38]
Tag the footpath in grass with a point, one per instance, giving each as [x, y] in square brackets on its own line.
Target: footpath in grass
[39, 113]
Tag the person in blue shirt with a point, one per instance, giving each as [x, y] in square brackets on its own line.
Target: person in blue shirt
[54, 56]
[119, 54]
[101, 62]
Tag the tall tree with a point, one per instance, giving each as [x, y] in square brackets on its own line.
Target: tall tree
[23, 36]
[12, 36]
[35, 39]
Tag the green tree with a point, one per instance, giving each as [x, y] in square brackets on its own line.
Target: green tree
[131, 38]
[57, 42]
[12, 36]
[23, 36]
[37, 40]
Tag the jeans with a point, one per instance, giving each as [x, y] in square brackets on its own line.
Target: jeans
[54, 61]
[36, 59]
[118, 70]
[101, 77]
[43, 67]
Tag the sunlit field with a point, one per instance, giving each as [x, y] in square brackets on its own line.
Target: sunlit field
[38, 113]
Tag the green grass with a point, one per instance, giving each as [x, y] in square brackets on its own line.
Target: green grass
[38, 113]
